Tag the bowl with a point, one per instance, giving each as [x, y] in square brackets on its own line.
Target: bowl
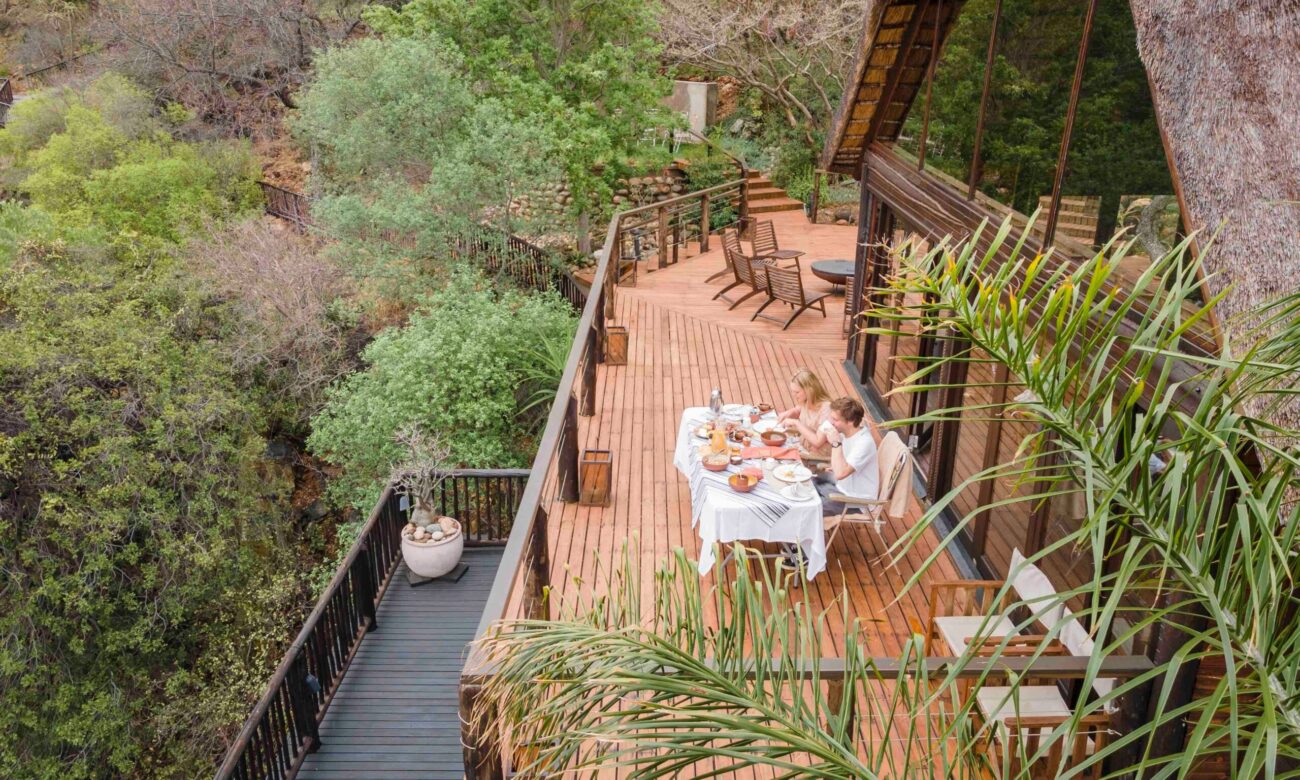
[773, 438]
[764, 408]
[742, 483]
[738, 435]
[717, 461]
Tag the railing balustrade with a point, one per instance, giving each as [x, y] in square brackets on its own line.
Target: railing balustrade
[287, 204]
[530, 266]
[284, 725]
[6, 100]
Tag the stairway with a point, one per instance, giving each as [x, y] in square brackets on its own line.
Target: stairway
[765, 198]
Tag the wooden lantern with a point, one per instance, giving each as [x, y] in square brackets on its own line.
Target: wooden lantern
[595, 477]
[615, 345]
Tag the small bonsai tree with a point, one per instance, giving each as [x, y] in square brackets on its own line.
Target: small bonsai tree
[423, 467]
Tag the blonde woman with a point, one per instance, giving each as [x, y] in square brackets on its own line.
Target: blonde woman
[810, 414]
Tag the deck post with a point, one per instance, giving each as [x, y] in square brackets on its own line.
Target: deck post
[600, 323]
[480, 752]
[816, 197]
[704, 223]
[304, 704]
[589, 374]
[861, 254]
[541, 564]
[568, 465]
[367, 587]
[663, 237]
[835, 702]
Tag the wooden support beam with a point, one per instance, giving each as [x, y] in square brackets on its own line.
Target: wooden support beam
[568, 454]
[975, 165]
[1054, 209]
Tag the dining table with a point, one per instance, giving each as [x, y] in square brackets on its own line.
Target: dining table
[768, 513]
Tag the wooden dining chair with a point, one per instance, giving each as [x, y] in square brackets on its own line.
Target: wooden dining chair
[786, 285]
[765, 245]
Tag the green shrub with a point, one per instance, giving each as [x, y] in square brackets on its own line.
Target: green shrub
[147, 580]
[459, 368]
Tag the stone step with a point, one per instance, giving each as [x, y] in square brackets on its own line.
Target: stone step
[775, 204]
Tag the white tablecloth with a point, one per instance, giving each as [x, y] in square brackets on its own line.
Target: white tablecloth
[725, 516]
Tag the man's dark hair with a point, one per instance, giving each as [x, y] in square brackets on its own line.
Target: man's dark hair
[848, 409]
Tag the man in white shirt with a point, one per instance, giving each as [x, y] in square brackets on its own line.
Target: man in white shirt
[853, 469]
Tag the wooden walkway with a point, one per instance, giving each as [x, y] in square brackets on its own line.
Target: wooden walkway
[683, 344]
[396, 712]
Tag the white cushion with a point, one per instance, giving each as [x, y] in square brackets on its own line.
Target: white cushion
[998, 703]
[957, 631]
[1033, 587]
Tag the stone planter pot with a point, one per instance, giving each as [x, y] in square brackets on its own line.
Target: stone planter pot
[430, 558]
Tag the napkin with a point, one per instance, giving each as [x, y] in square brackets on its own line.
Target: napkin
[780, 453]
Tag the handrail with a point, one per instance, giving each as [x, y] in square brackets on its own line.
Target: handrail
[287, 204]
[744, 169]
[283, 725]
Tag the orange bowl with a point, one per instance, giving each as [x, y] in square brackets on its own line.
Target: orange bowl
[716, 462]
[764, 408]
[742, 483]
[773, 438]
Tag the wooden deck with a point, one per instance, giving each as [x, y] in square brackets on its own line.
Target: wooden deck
[683, 344]
[395, 713]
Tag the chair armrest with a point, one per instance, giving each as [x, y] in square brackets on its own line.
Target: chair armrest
[1020, 645]
[851, 501]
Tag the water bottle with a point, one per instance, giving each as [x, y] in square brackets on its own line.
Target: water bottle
[715, 402]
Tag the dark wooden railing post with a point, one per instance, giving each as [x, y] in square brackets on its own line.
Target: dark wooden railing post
[663, 237]
[568, 465]
[816, 196]
[600, 322]
[541, 563]
[835, 701]
[479, 748]
[304, 702]
[589, 374]
[364, 582]
[742, 208]
[704, 223]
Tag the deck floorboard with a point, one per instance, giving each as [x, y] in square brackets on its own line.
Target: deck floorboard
[396, 710]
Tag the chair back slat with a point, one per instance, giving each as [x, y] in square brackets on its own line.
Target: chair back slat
[785, 284]
[765, 238]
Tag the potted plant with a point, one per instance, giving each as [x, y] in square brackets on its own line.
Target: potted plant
[431, 543]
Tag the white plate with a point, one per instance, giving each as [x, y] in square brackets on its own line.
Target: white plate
[788, 492]
[792, 473]
[763, 426]
[735, 409]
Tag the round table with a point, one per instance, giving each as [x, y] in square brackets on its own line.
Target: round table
[837, 272]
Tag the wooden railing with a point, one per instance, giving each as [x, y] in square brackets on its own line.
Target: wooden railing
[674, 223]
[284, 725]
[287, 204]
[6, 99]
[529, 265]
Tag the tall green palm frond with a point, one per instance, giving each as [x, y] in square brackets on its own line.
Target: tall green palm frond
[1200, 554]
[670, 687]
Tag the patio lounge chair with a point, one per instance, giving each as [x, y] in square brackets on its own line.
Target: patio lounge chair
[744, 272]
[765, 245]
[786, 285]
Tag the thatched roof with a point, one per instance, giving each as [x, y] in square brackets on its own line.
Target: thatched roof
[889, 72]
[1225, 79]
